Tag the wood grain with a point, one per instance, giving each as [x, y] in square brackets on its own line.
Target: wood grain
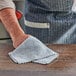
[64, 65]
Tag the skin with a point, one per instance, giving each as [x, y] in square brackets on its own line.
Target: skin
[9, 19]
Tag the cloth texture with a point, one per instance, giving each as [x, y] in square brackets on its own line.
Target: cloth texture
[39, 10]
[62, 30]
[58, 14]
[6, 3]
[33, 50]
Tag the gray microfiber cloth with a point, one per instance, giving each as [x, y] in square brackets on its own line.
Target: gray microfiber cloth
[46, 60]
[32, 50]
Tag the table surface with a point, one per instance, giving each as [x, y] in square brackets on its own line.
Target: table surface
[64, 65]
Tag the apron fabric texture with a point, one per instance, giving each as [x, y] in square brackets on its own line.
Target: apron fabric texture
[56, 13]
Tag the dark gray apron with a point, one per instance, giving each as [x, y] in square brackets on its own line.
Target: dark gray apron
[56, 12]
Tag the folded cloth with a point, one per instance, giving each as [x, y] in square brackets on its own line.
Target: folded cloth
[30, 50]
[47, 60]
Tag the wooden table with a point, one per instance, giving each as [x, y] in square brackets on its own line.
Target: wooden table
[65, 65]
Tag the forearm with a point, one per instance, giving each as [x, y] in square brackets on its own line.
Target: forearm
[9, 19]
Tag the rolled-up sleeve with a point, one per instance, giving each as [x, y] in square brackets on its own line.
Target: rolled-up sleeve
[6, 4]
